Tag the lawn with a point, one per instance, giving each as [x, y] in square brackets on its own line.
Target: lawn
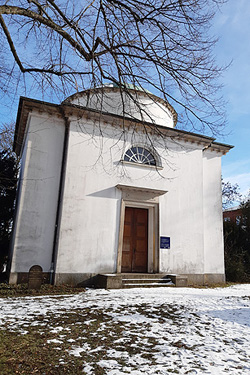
[134, 331]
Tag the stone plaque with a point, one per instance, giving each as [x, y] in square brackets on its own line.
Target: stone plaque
[35, 277]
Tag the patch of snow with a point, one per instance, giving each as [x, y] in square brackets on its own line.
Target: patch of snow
[55, 341]
[98, 349]
[76, 350]
[89, 321]
[161, 330]
[88, 369]
[57, 329]
[110, 363]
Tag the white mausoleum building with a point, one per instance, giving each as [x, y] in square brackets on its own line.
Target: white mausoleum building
[105, 192]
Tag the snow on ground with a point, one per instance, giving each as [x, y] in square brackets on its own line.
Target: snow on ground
[145, 331]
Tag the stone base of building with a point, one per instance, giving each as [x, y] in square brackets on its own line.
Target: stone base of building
[76, 279]
[205, 279]
[23, 278]
[90, 279]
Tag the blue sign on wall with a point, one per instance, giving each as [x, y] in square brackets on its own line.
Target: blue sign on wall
[165, 242]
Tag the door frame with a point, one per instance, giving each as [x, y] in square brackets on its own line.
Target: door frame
[136, 197]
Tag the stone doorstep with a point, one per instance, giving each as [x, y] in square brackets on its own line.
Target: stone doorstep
[178, 280]
[146, 281]
[141, 275]
[149, 285]
[119, 281]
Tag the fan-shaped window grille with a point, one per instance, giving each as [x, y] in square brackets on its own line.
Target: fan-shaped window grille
[137, 154]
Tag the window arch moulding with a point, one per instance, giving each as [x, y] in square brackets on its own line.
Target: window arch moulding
[143, 156]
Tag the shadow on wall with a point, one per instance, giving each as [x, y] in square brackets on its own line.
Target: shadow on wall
[105, 193]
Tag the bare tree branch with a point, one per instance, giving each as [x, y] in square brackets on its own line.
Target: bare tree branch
[159, 45]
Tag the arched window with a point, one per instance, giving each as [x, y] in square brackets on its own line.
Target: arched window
[140, 155]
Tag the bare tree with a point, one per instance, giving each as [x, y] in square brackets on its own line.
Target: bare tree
[230, 194]
[9, 166]
[160, 45]
[7, 137]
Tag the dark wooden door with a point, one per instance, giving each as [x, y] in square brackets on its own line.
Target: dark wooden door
[135, 240]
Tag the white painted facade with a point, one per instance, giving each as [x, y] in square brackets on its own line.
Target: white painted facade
[75, 186]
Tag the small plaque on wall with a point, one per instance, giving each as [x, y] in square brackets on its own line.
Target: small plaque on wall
[165, 242]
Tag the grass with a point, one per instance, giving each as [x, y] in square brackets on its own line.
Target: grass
[30, 354]
[33, 351]
[21, 290]
[45, 343]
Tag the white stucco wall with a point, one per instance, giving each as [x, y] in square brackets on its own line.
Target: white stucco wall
[213, 225]
[189, 213]
[37, 203]
[89, 228]
[181, 216]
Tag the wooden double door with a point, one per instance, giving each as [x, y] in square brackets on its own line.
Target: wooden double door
[135, 240]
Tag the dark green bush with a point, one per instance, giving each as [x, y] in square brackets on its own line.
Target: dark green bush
[237, 247]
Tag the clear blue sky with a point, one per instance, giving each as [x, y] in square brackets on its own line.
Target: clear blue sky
[232, 25]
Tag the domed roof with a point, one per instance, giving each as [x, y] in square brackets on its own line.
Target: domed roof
[134, 102]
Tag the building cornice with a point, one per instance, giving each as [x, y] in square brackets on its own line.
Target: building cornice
[27, 105]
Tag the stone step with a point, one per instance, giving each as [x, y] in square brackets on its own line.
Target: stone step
[143, 275]
[149, 285]
[146, 280]
[139, 280]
